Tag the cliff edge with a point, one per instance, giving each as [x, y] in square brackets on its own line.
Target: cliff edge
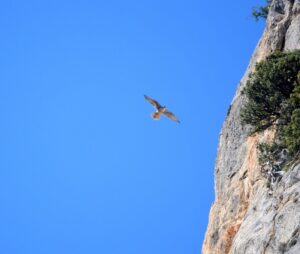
[245, 218]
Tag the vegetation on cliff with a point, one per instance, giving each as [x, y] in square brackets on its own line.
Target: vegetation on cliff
[261, 12]
[273, 99]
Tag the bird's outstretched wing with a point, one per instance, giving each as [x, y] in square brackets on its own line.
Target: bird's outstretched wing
[153, 102]
[171, 116]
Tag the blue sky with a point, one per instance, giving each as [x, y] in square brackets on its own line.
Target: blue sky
[83, 167]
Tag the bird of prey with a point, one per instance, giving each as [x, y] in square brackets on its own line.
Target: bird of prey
[160, 110]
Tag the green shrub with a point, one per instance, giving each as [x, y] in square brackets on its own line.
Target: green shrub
[269, 153]
[273, 99]
[292, 133]
[268, 88]
[261, 11]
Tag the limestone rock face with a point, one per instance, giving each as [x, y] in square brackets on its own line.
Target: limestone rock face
[245, 217]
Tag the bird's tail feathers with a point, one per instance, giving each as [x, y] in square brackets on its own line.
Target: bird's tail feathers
[155, 115]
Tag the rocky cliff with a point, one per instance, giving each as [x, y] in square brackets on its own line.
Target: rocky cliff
[245, 217]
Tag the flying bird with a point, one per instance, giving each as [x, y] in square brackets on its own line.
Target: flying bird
[160, 110]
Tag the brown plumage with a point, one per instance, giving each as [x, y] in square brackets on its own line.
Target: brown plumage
[160, 110]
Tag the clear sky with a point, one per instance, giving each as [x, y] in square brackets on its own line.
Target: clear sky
[83, 167]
